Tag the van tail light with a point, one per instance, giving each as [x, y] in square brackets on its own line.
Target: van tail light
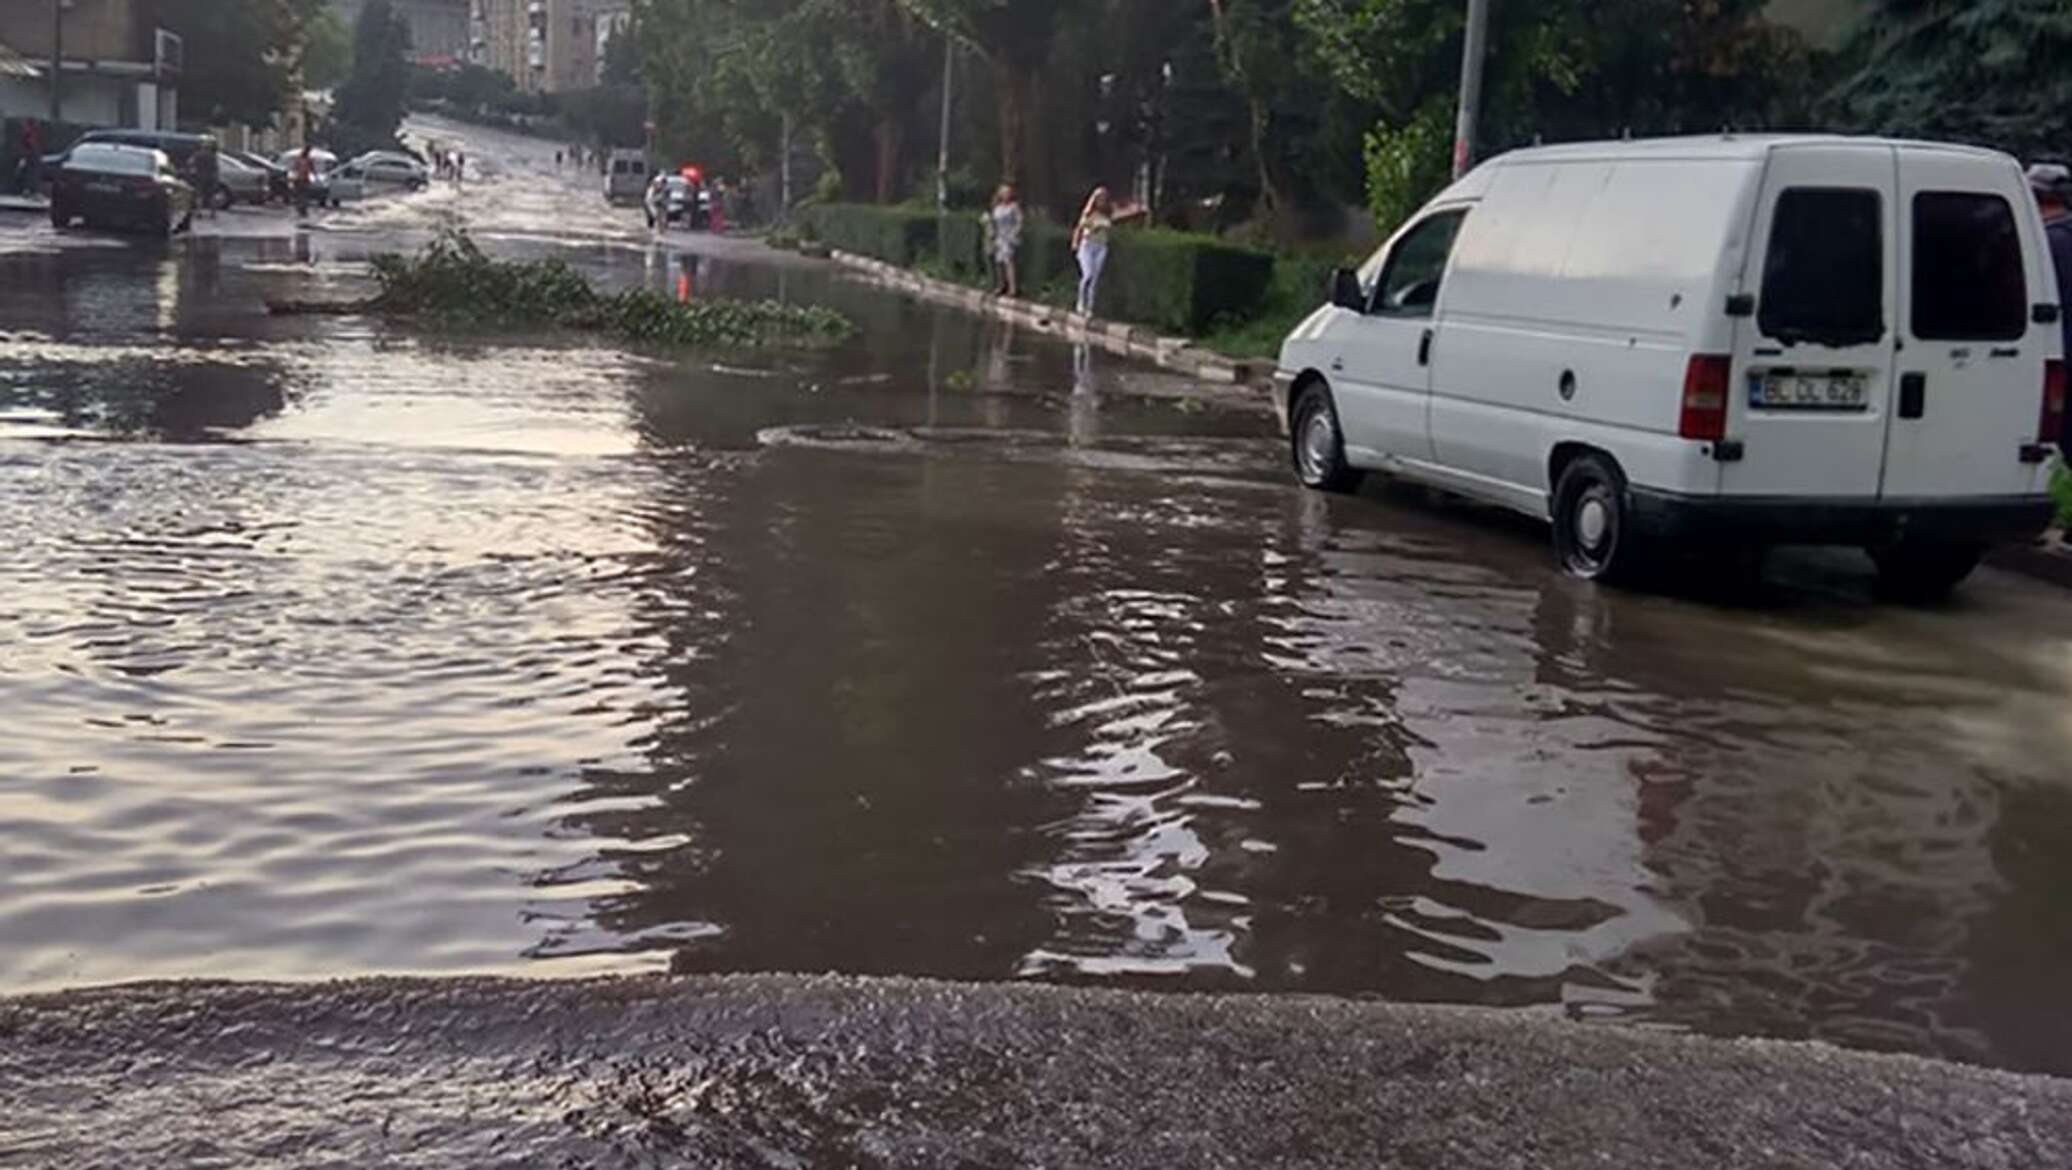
[1704, 414]
[2052, 424]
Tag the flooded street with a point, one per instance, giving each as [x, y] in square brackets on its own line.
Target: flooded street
[328, 647]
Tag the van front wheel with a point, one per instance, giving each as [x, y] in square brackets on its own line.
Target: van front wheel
[1924, 570]
[1593, 538]
[1319, 447]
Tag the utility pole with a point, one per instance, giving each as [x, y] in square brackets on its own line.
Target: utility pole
[942, 154]
[1473, 48]
[57, 61]
[784, 170]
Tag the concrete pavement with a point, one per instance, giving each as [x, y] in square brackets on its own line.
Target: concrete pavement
[810, 1072]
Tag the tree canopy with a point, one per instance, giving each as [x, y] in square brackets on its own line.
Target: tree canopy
[242, 56]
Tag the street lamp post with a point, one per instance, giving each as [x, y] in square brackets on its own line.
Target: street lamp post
[1473, 48]
[57, 61]
[942, 154]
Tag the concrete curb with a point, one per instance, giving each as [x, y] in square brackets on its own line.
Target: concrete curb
[820, 1071]
[1173, 353]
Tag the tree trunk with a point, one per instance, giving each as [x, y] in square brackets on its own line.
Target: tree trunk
[1024, 156]
[1270, 201]
[891, 137]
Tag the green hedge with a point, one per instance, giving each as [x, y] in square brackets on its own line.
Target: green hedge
[1174, 281]
[897, 234]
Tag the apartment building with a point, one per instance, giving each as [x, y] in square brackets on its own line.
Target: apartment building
[546, 46]
[118, 67]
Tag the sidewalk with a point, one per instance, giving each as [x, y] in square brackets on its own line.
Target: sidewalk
[1138, 341]
[822, 1071]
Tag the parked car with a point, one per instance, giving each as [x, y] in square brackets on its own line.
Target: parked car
[625, 177]
[276, 175]
[1704, 343]
[323, 162]
[240, 182]
[375, 172]
[675, 199]
[178, 147]
[107, 184]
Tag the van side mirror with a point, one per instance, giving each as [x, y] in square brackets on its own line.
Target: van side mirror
[1346, 292]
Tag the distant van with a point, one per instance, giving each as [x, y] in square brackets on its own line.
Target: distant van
[625, 176]
[1714, 343]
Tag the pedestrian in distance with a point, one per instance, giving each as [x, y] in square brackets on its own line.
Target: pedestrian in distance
[301, 175]
[1003, 240]
[557, 161]
[207, 168]
[460, 169]
[1090, 243]
[29, 175]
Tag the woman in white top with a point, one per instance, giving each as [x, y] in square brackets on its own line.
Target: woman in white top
[1090, 243]
[1004, 232]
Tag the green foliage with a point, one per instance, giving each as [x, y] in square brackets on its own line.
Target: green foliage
[961, 243]
[1172, 280]
[371, 102]
[452, 282]
[241, 54]
[1408, 164]
[896, 234]
[2061, 491]
[1181, 283]
[327, 51]
[1984, 71]
[1300, 284]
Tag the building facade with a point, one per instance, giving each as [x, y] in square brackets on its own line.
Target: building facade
[119, 68]
[546, 46]
[438, 28]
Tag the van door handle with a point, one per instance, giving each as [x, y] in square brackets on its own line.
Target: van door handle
[1337, 365]
[1913, 395]
[1424, 349]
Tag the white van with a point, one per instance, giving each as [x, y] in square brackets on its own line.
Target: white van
[1734, 341]
[625, 177]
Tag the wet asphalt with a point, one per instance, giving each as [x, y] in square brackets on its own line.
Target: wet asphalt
[333, 647]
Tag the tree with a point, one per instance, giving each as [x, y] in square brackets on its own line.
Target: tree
[242, 55]
[1014, 37]
[1557, 69]
[327, 51]
[371, 102]
[1983, 71]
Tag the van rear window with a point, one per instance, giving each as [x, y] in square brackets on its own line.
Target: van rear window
[1824, 277]
[1968, 279]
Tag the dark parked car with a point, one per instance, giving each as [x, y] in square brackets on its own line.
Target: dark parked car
[107, 185]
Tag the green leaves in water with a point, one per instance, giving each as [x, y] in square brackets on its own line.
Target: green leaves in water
[454, 282]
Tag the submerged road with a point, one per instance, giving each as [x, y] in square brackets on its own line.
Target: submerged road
[333, 648]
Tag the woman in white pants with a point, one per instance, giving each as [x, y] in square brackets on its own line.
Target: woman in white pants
[1090, 245]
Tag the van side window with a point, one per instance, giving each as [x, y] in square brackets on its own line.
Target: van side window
[1409, 284]
[1824, 275]
[1969, 284]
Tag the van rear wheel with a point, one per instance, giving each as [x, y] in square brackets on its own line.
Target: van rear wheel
[1593, 536]
[1924, 570]
[1318, 445]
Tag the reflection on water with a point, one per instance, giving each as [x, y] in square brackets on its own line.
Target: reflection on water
[532, 656]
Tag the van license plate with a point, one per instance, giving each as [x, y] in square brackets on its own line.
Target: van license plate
[1795, 391]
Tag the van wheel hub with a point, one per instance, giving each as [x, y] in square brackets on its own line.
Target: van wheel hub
[1592, 522]
[1319, 444]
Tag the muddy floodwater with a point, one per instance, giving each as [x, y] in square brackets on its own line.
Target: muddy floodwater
[329, 648]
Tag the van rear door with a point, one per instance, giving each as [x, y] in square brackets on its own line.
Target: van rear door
[1813, 363]
[1971, 363]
